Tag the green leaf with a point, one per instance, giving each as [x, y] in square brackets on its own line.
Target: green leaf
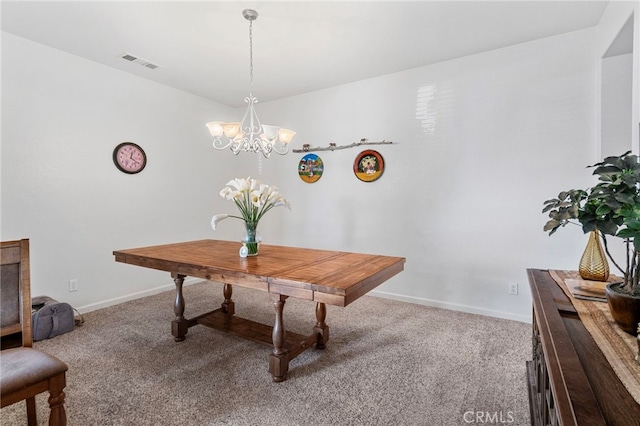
[625, 198]
[633, 224]
[626, 233]
[552, 225]
[604, 170]
[574, 210]
[547, 208]
[608, 228]
[631, 160]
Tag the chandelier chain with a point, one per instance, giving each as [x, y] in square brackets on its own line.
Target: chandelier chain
[251, 58]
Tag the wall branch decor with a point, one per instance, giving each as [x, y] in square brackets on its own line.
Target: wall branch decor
[333, 146]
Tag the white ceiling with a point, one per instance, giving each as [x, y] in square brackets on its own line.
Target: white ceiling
[202, 47]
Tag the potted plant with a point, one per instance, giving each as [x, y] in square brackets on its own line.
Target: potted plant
[610, 208]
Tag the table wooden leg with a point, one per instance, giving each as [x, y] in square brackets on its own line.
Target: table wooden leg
[279, 359]
[179, 326]
[321, 329]
[228, 306]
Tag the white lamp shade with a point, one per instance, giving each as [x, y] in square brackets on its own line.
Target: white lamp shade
[270, 132]
[286, 135]
[215, 128]
[231, 129]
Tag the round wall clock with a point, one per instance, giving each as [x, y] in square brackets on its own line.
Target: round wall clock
[368, 166]
[129, 158]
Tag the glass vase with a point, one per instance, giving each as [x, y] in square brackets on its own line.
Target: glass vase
[251, 238]
[593, 264]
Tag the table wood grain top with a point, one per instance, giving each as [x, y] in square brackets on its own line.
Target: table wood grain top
[332, 277]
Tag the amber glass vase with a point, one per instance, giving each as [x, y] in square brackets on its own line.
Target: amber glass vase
[593, 264]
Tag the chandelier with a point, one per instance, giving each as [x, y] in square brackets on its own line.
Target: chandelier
[250, 135]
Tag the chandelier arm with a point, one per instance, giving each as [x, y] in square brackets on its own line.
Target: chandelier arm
[266, 147]
[259, 147]
[245, 127]
[236, 146]
[283, 151]
[253, 126]
[220, 144]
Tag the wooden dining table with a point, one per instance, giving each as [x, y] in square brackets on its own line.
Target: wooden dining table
[322, 276]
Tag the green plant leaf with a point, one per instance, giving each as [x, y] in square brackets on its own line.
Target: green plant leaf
[605, 170]
[603, 209]
[633, 224]
[552, 225]
[625, 198]
[608, 228]
[626, 233]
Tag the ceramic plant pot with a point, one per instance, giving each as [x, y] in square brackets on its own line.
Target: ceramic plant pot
[625, 309]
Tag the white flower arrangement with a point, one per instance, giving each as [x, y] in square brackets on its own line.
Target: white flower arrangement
[252, 198]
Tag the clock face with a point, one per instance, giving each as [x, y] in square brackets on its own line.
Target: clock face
[129, 158]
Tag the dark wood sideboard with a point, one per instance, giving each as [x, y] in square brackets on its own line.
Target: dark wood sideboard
[570, 381]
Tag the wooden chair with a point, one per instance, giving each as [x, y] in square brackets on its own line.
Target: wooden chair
[24, 371]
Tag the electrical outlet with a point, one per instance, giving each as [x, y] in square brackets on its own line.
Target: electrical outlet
[73, 285]
[513, 288]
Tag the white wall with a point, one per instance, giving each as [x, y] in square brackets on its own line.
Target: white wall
[616, 101]
[62, 118]
[483, 141]
[613, 20]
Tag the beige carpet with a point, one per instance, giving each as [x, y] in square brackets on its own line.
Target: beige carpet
[386, 363]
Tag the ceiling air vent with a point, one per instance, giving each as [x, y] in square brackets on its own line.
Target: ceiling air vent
[143, 62]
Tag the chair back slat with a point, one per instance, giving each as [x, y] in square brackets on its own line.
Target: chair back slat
[15, 291]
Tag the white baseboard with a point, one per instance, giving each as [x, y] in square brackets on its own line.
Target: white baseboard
[377, 293]
[133, 296]
[451, 306]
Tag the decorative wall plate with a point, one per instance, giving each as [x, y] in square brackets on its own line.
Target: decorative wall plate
[369, 165]
[310, 168]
